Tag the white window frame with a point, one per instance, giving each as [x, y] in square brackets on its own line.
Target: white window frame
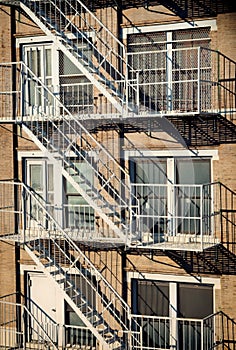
[170, 156]
[169, 27]
[173, 281]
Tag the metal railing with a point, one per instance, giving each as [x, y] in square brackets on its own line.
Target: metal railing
[20, 326]
[212, 332]
[193, 217]
[226, 199]
[90, 295]
[78, 98]
[220, 331]
[183, 81]
[63, 137]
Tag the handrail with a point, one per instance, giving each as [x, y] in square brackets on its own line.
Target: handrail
[89, 21]
[66, 236]
[77, 128]
[34, 318]
[220, 313]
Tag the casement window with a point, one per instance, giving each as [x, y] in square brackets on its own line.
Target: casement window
[59, 75]
[171, 195]
[59, 197]
[40, 178]
[166, 67]
[170, 313]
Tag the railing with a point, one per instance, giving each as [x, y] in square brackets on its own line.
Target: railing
[184, 333]
[185, 81]
[78, 98]
[86, 289]
[226, 199]
[80, 221]
[179, 216]
[220, 331]
[79, 336]
[168, 332]
[88, 41]
[20, 326]
[58, 133]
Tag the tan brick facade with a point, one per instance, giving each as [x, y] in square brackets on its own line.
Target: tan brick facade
[110, 262]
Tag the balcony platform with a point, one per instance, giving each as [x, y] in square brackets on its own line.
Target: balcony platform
[178, 242]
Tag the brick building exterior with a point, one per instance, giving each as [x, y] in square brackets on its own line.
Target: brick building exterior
[117, 183]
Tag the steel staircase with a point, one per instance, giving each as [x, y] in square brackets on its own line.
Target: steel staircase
[63, 138]
[96, 302]
[96, 52]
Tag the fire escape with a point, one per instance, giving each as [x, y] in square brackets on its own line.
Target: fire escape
[59, 133]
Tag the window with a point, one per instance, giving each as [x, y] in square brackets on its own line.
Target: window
[165, 66]
[60, 75]
[170, 313]
[144, 302]
[170, 195]
[80, 215]
[39, 176]
[76, 90]
[39, 60]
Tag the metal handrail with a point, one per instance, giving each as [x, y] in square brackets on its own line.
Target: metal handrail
[38, 323]
[76, 128]
[59, 232]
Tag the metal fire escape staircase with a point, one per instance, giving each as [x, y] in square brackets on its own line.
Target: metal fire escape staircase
[63, 138]
[97, 53]
[84, 288]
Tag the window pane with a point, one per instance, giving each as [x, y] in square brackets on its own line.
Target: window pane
[36, 177]
[190, 171]
[86, 171]
[66, 66]
[152, 298]
[151, 171]
[48, 62]
[50, 178]
[194, 300]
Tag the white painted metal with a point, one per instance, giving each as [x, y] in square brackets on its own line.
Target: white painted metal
[58, 132]
[76, 279]
[107, 52]
[35, 329]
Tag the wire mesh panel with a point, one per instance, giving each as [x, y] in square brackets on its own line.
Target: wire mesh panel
[172, 71]
[8, 91]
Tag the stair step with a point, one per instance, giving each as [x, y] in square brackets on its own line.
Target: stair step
[101, 327]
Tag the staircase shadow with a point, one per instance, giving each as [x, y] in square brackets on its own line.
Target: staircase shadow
[215, 260]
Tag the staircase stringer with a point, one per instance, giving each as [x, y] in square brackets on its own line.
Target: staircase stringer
[90, 200]
[68, 299]
[58, 42]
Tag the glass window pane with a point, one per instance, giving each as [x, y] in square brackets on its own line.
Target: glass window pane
[84, 169]
[36, 177]
[48, 62]
[66, 66]
[195, 300]
[152, 298]
[190, 171]
[151, 171]
[50, 178]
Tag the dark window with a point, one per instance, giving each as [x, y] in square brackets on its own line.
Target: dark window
[150, 298]
[195, 300]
